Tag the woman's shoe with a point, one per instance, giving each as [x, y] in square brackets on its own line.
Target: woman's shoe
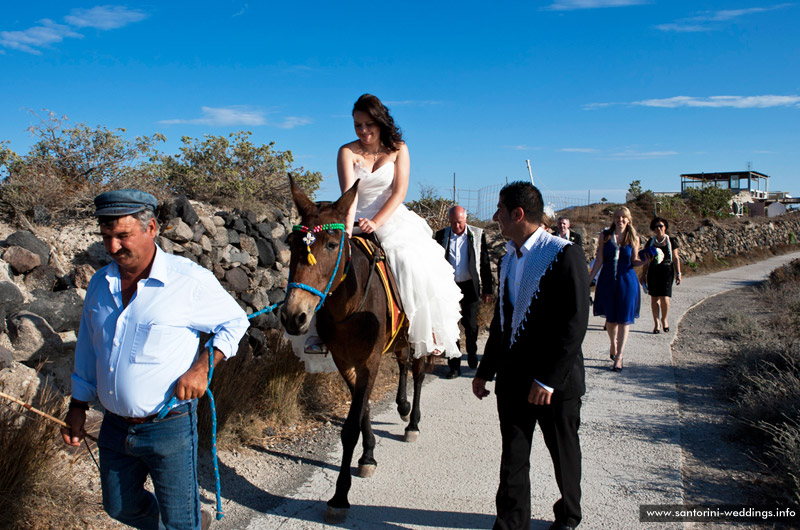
[656, 331]
[666, 329]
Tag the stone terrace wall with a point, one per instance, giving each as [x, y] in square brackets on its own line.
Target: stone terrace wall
[43, 281]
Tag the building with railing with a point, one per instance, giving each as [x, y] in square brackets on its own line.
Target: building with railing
[752, 182]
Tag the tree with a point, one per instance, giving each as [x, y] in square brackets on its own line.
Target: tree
[68, 166]
[635, 188]
[232, 170]
[431, 207]
[710, 201]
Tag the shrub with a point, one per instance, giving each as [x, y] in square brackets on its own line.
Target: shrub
[233, 171]
[710, 201]
[68, 166]
[431, 207]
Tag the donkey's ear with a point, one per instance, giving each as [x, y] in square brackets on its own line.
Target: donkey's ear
[301, 200]
[343, 204]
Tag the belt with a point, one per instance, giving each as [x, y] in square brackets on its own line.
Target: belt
[146, 419]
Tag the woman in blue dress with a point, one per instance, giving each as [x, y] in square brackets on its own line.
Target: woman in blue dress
[617, 292]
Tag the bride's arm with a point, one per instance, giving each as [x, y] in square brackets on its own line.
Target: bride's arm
[402, 166]
[344, 166]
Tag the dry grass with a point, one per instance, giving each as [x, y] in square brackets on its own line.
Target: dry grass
[764, 376]
[35, 485]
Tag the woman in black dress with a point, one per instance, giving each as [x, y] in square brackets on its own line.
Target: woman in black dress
[660, 275]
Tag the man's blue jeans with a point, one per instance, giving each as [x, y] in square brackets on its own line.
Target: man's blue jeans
[164, 449]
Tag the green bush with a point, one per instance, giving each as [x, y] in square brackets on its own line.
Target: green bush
[232, 171]
[710, 201]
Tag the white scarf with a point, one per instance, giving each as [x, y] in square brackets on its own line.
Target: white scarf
[543, 253]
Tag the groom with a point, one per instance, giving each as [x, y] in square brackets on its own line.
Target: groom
[536, 358]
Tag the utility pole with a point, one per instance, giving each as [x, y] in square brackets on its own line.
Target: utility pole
[454, 187]
[530, 172]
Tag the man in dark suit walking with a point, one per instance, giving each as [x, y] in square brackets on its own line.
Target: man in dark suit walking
[466, 250]
[534, 350]
[562, 230]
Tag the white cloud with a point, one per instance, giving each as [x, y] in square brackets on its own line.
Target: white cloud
[683, 27]
[521, 147]
[412, 103]
[42, 36]
[47, 33]
[290, 122]
[223, 116]
[640, 155]
[570, 5]
[238, 115]
[705, 20]
[241, 11]
[578, 150]
[739, 102]
[104, 17]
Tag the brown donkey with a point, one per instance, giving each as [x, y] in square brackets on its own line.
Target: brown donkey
[339, 281]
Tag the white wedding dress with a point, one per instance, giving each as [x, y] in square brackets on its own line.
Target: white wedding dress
[425, 279]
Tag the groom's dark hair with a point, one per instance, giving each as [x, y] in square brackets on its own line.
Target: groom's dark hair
[521, 194]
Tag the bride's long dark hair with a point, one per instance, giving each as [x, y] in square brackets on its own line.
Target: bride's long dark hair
[391, 137]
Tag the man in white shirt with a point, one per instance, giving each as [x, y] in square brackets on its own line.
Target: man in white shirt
[466, 250]
[137, 347]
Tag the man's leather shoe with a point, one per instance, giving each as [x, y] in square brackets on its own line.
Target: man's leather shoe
[559, 526]
[472, 360]
[205, 520]
[452, 374]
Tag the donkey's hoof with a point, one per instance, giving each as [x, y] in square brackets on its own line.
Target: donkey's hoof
[411, 436]
[406, 418]
[335, 515]
[366, 470]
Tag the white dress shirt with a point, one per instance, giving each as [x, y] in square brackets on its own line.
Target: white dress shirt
[130, 357]
[516, 266]
[458, 256]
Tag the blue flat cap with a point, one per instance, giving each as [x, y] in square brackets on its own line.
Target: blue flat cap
[118, 203]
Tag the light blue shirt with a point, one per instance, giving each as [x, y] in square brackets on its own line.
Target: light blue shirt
[131, 357]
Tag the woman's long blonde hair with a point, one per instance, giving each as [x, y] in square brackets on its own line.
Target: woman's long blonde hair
[631, 236]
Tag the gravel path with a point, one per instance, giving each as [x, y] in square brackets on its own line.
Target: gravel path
[630, 433]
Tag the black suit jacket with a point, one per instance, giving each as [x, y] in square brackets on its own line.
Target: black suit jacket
[548, 348]
[483, 284]
[575, 237]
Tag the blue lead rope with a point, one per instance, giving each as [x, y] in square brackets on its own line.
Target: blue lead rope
[172, 403]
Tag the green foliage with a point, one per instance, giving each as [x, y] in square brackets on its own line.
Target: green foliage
[603, 200]
[68, 166]
[233, 171]
[431, 207]
[710, 201]
[635, 188]
[692, 264]
[792, 238]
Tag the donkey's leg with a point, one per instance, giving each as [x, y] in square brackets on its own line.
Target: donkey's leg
[338, 505]
[403, 406]
[367, 463]
[418, 371]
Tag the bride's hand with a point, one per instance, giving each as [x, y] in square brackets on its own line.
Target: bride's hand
[367, 225]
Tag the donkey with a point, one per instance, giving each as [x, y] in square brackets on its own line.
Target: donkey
[337, 279]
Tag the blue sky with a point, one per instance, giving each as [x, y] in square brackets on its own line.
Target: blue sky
[595, 93]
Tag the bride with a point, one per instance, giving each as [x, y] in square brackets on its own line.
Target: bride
[379, 158]
[430, 296]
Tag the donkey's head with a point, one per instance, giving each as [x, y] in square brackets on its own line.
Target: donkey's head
[318, 254]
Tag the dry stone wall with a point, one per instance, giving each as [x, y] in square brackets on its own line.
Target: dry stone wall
[41, 300]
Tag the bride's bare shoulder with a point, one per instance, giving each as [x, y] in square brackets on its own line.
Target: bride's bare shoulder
[351, 147]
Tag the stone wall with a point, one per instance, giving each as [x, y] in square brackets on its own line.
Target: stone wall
[43, 280]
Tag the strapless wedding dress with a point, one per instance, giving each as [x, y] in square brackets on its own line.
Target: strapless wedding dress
[424, 277]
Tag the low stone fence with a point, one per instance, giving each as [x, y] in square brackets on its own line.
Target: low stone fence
[43, 282]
